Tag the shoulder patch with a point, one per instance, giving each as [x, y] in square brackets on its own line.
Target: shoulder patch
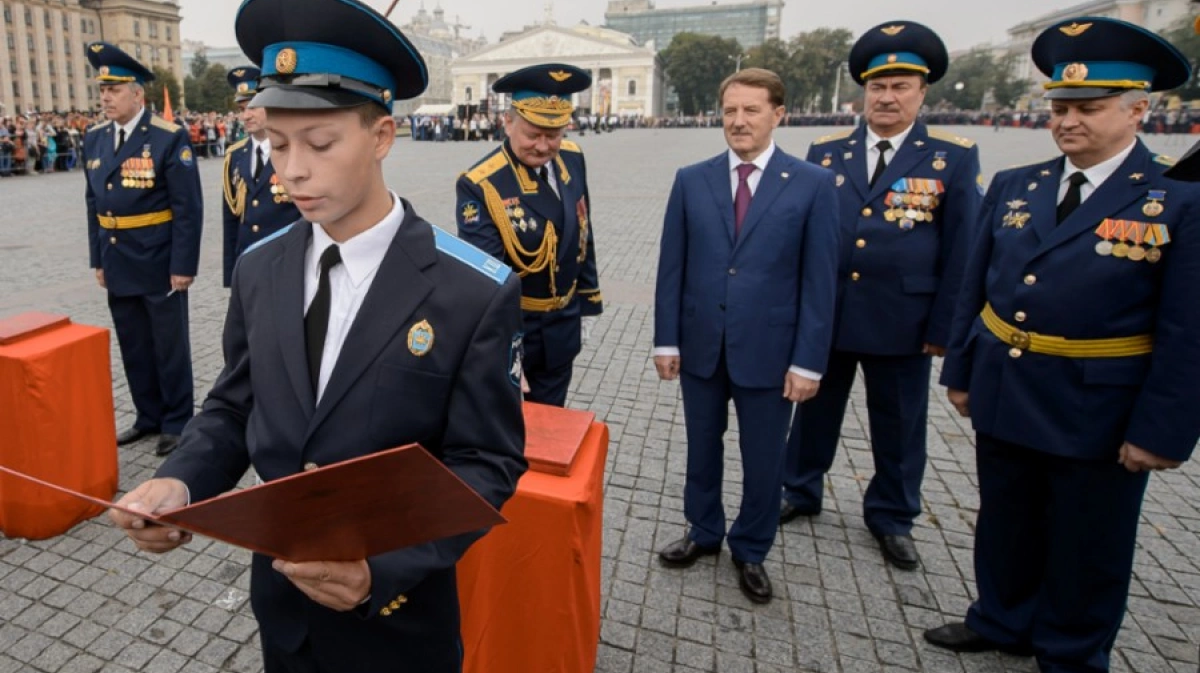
[834, 136]
[238, 145]
[1164, 160]
[951, 138]
[570, 146]
[160, 123]
[487, 168]
[268, 239]
[470, 255]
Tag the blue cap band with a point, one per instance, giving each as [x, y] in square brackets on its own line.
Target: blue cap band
[898, 58]
[313, 58]
[1103, 73]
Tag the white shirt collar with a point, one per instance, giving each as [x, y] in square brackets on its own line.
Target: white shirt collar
[760, 162]
[897, 140]
[1097, 174]
[362, 254]
[265, 144]
[129, 127]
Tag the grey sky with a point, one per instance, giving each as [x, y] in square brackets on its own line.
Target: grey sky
[962, 23]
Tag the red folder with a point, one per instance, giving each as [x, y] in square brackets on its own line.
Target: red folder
[553, 436]
[347, 511]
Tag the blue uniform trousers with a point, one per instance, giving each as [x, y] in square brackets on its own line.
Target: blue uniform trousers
[897, 410]
[762, 415]
[152, 331]
[1054, 548]
[547, 385]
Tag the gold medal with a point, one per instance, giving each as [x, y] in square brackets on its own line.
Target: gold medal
[1104, 248]
[911, 213]
[1153, 255]
[518, 212]
[1137, 253]
[826, 162]
[939, 165]
[890, 215]
[1153, 209]
[1121, 250]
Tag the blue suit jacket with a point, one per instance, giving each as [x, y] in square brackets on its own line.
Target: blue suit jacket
[1054, 277]
[766, 297]
[256, 215]
[525, 208]
[459, 400]
[907, 279]
[142, 261]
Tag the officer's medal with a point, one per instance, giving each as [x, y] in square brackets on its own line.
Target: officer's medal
[279, 193]
[1154, 206]
[939, 161]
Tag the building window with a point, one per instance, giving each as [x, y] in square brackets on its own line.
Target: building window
[46, 19]
[83, 25]
[50, 64]
[53, 90]
[16, 89]
[7, 14]
[632, 88]
[35, 90]
[49, 44]
[154, 30]
[33, 67]
[137, 28]
[29, 43]
[70, 70]
[12, 43]
[138, 52]
[168, 33]
[12, 66]
[67, 47]
[28, 17]
[66, 23]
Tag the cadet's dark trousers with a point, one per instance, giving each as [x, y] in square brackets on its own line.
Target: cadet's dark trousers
[547, 384]
[1053, 553]
[897, 409]
[152, 331]
[762, 415]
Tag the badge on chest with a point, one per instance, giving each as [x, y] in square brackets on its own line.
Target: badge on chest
[138, 172]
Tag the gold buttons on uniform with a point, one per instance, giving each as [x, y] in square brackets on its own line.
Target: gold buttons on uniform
[861, 243]
[386, 612]
[254, 203]
[1020, 316]
[309, 467]
[1031, 279]
[866, 212]
[855, 276]
[1015, 353]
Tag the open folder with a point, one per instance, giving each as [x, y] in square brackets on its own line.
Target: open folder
[347, 511]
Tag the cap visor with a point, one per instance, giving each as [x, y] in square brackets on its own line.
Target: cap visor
[291, 97]
[1083, 92]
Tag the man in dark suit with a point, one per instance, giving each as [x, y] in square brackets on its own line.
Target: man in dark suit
[908, 198]
[1074, 351]
[744, 310]
[527, 203]
[145, 213]
[256, 203]
[369, 330]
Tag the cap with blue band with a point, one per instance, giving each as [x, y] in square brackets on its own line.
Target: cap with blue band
[114, 66]
[1097, 57]
[898, 48]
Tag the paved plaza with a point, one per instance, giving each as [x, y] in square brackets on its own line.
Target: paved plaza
[87, 601]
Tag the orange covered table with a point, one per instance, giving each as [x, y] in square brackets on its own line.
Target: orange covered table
[530, 589]
[56, 423]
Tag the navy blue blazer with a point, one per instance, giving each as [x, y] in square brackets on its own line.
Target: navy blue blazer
[766, 297]
[458, 399]
[525, 208]
[898, 276]
[154, 171]
[1052, 280]
[253, 208]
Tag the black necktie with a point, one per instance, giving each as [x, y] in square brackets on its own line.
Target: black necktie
[1074, 195]
[316, 321]
[883, 146]
[544, 176]
[258, 162]
[120, 141]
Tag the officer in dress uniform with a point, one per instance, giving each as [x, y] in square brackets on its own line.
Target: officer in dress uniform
[256, 203]
[526, 203]
[1074, 351]
[145, 212]
[908, 197]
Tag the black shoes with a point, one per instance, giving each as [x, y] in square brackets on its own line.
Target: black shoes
[683, 553]
[956, 637]
[900, 551]
[131, 435]
[752, 578]
[166, 444]
[788, 512]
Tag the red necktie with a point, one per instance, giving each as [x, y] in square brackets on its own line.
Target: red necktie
[741, 202]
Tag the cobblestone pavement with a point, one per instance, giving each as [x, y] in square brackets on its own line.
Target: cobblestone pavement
[87, 601]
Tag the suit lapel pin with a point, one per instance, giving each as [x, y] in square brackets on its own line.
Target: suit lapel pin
[420, 339]
[1136, 176]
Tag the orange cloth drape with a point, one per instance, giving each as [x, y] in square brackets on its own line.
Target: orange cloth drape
[56, 423]
[530, 589]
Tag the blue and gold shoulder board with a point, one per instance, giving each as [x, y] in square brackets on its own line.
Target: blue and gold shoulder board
[951, 138]
[570, 146]
[471, 256]
[238, 145]
[160, 123]
[487, 168]
[834, 136]
[97, 127]
[260, 243]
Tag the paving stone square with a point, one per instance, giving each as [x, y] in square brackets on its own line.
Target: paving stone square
[88, 601]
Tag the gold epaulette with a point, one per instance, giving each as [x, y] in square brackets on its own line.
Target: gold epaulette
[569, 146]
[834, 136]
[160, 123]
[487, 168]
[237, 146]
[951, 138]
[97, 127]
[1164, 160]
[235, 195]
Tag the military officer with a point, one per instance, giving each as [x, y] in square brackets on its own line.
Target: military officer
[526, 203]
[1074, 351]
[907, 196]
[145, 213]
[256, 202]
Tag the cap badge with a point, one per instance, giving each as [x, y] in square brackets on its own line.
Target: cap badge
[239, 72]
[243, 87]
[1075, 29]
[285, 61]
[97, 48]
[891, 58]
[1075, 72]
[892, 31]
[560, 75]
[386, 95]
[104, 71]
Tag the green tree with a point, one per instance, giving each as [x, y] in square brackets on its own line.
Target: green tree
[975, 75]
[817, 58]
[696, 65]
[1184, 37]
[163, 77]
[208, 91]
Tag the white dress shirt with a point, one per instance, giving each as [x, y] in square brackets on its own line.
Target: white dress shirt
[348, 281]
[1096, 175]
[265, 144]
[873, 139]
[760, 163]
[129, 128]
[551, 177]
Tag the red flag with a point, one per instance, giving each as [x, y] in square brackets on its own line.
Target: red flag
[167, 114]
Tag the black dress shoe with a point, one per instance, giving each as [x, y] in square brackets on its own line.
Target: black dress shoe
[788, 512]
[900, 551]
[752, 578]
[131, 435]
[166, 444]
[956, 637]
[683, 553]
